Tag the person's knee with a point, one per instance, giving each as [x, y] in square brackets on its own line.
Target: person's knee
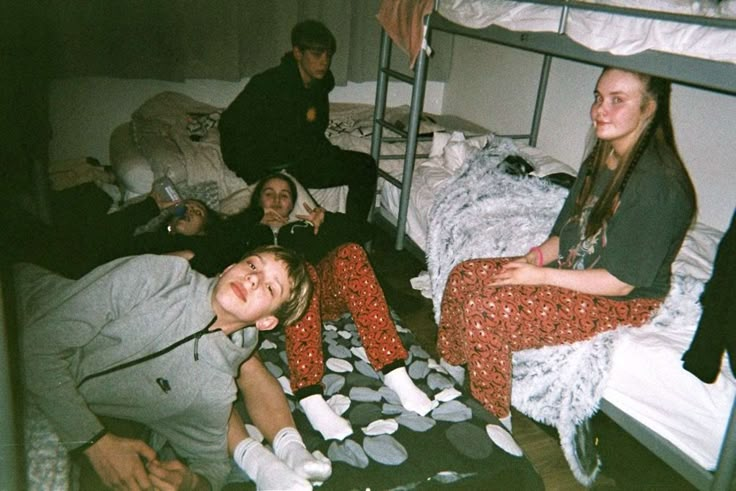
[371, 167]
[458, 270]
[353, 251]
[364, 166]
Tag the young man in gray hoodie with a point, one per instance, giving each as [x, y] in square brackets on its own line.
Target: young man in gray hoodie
[148, 339]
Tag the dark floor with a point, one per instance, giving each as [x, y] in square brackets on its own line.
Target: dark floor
[626, 464]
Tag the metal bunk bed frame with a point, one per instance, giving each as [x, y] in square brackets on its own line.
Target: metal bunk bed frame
[710, 75]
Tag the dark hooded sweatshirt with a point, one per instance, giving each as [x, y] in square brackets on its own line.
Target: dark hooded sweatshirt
[276, 122]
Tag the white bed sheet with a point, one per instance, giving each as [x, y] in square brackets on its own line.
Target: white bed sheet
[447, 153]
[647, 380]
[617, 34]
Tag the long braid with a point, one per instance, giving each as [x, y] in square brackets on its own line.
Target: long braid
[643, 143]
[592, 166]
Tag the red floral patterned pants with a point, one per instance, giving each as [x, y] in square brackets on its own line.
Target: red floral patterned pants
[344, 281]
[482, 325]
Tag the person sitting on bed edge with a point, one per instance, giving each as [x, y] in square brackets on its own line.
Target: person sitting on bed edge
[118, 343]
[279, 120]
[607, 261]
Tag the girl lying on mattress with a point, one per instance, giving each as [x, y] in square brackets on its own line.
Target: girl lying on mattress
[607, 261]
[83, 235]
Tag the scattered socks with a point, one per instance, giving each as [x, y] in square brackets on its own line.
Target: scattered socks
[267, 470]
[289, 447]
[411, 396]
[323, 418]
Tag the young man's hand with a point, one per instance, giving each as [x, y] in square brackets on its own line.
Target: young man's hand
[119, 462]
[175, 476]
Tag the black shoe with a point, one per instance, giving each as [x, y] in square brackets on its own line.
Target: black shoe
[584, 443]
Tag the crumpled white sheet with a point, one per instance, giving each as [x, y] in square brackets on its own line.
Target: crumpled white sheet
[600, 31]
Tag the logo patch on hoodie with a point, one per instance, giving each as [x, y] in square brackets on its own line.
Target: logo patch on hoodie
[312, 114]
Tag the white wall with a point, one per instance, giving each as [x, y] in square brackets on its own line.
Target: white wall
[84, 111]
[495, 86]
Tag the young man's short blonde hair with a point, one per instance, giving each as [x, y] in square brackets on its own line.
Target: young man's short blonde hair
[301, 285]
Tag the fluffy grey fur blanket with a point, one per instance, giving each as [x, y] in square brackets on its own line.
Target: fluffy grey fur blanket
[483, 212]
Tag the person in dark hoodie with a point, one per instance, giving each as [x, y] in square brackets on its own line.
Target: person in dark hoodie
[278, 122]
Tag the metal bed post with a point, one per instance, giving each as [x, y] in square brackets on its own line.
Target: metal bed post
[543, 81]
[539, 105]
[727, 460]
[378, 113]
[381, 91]
[417, 106]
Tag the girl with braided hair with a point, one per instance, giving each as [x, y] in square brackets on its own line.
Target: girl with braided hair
[607, 261]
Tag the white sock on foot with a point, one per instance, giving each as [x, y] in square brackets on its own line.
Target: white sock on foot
[289, 447]
[506, 422]
[411, 396]
[265, 469]
[324, 419]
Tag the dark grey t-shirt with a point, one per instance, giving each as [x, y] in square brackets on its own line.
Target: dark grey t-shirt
[640, 241]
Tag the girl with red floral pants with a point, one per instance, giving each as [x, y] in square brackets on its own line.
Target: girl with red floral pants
[613, 243]
[344, 281]
[482, 325]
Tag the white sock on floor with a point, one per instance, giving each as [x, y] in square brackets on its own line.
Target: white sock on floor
[506, 422]
[265, 469]
[324, 419]
[289, 447]
[411, 396]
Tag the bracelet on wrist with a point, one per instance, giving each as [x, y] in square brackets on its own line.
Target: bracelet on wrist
[538, 253]
[80, 449]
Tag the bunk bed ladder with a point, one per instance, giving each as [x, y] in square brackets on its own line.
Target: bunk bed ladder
[410, 135]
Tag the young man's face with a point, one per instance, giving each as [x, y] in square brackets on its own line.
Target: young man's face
[249, 292]
[313, 62]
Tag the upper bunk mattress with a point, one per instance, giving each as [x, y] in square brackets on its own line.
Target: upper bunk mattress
[601, 31]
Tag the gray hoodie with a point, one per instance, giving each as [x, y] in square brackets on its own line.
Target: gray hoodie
[121, 311]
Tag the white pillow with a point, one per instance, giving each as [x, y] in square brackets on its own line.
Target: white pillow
[456, 152]
[131, 168]
[302, 196]
[698, 252]
[439, 141]
[544, 165]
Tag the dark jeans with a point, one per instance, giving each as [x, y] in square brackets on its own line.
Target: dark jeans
[337, 167]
